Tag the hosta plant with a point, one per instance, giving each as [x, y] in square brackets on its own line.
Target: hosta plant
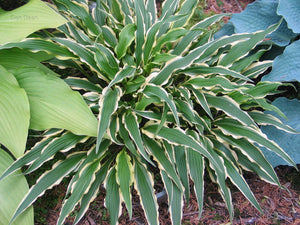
[166, 95]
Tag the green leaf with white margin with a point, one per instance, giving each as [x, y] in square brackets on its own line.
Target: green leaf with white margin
[204, 69]
[243, 48]
[232, 127]
[196, 170]
[140, 32]
[268, 119]
[230, 107]
[112, 198]
[14, 114]
[145, 187]
[64, 143]
[124, 175]
[181, 165]
[132, 126]
[78, 189]
[187, 8]
[109, 104]
[27, 158]
[93, 190]
[161, 93]
[49, 179]
[12, 191]
[127, 72]
[53, 104]
[126, 37]
[175, 198]
[163, 160]
[178, 137]
[17, 24]
[251, 153]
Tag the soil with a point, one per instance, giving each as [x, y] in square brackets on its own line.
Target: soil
[279, 206]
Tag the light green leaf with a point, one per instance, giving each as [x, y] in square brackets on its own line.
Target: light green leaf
[54, 105]
[126, 37]
[17, 24]
[49, 179]
[145, 188]
[12, 191]
[14, 114]
[125, 178]
[112, 198]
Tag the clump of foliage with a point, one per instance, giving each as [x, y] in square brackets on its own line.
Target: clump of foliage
[165, 96]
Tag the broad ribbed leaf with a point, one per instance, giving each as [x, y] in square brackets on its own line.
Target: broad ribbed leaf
[33, 16]
[54, 105]
[163, 160]
[290, 10]
[196, 171]
[126, 37]
[152, 90]
[145, 188]
[14, 114]
[108, 104]
[232, 127]
[12, 191]
[175, 197]
[131, 124]
[49, 179]
[112, 198]
[125, 178]
[79, 188]
[178, 137]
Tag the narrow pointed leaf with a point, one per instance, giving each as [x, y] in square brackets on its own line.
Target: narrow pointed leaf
[127, 72]
[49, 179]
[145, 186]
[125, 178]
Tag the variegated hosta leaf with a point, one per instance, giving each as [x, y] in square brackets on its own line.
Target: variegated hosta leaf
[145, 187]
[108, 104]
[79, 188]
[126, 37]
[49, 179]
[112, 198]
[124, 178]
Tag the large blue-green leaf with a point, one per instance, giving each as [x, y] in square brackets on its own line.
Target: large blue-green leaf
[286, 67]
[259, 16]
[17, 24]
[290, 10]
[287, 141]
[12, 191]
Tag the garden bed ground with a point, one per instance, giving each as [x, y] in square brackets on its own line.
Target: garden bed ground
[279, 206]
